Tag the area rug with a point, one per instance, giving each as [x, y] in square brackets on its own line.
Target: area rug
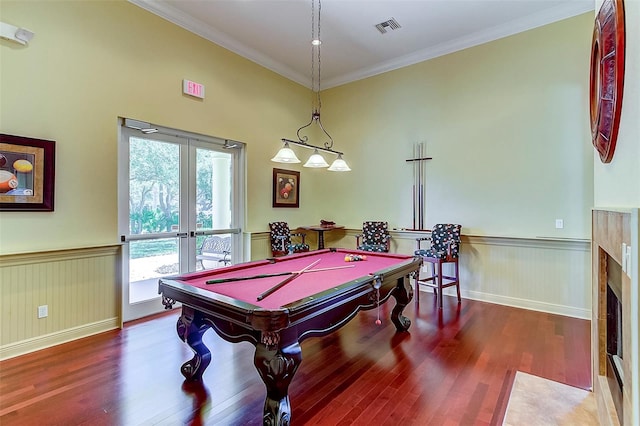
[535, 401]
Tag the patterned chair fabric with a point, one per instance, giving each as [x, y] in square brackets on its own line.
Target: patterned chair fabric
[375, 237]
[445, 242]
[281, 243]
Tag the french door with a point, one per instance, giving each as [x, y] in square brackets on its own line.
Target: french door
[180, 208]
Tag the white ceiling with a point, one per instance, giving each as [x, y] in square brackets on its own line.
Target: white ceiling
[276, 33]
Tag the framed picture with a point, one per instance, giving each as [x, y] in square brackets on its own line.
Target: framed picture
[27, 170]
[286, 188]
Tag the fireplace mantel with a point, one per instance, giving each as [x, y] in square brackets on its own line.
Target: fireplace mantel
[615, 239]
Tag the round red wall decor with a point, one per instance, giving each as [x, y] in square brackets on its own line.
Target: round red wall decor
[607, 77]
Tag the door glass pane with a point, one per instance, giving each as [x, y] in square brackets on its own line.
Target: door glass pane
[154, 187]
[213, 189]
[213, 208]
[154, 199]
[148, 260]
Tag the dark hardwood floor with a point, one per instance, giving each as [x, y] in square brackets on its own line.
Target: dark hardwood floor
[450, 369]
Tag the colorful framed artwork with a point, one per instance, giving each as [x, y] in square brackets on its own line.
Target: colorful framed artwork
[286, 188]
[27, 173]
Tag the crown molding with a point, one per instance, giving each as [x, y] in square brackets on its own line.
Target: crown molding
[205, 31]
[564, 11]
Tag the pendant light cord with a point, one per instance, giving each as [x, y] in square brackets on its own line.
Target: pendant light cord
[319, 46]
[316, 103]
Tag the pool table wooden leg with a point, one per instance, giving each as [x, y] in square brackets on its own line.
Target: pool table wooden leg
[277, 367]
[190, 327]
[403, 294]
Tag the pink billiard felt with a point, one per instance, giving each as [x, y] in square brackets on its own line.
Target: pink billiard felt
[305, 285]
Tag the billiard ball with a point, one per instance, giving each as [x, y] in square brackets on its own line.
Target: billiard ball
[22, 166]
[8, 181]
[3, 160]
[355, 257]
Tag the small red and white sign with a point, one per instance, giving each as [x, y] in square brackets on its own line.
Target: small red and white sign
[192, 88]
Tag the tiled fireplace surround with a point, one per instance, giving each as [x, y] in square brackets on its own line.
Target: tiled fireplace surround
[612, 229]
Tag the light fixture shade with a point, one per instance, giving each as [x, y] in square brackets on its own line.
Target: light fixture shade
[316, 160]
[286, 155]
[339, 165]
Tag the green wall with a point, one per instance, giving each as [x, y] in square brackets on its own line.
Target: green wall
[507, 126]
[506, 123]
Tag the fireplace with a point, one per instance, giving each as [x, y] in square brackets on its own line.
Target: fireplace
[614, 370]
[614, 333]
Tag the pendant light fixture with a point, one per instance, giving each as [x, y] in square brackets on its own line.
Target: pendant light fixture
[286, 154]
[316, 160]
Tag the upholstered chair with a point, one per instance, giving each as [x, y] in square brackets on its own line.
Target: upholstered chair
[445, 248]
[281, 243]
[374, 237]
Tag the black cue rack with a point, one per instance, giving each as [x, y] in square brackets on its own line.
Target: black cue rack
[419, 177]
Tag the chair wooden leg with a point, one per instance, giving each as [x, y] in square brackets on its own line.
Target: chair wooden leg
[458, 282]
[439, 285]
[417, 292]
[434, 276]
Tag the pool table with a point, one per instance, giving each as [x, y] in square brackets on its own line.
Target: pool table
[315, 302]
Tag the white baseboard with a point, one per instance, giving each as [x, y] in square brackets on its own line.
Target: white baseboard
[567, 311]
[48, 340]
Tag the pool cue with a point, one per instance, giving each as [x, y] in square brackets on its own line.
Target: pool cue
[286, 281]
[414, 189]
[276, 274]
[330, 268]
[421, 191]
[419, 187]
[252, 277]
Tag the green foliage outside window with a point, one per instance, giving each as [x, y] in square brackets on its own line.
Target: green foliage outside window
[154, 186]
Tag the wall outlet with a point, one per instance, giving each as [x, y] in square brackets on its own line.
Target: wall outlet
[43, 311]
[559, 223]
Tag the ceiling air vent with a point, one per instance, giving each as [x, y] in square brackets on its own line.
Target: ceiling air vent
[391, 24]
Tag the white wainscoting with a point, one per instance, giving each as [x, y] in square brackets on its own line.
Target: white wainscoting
[81, 288]
[260, 246]
[540, 274]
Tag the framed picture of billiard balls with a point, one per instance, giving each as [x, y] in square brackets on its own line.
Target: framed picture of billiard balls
[286, 188]
[27, 172]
